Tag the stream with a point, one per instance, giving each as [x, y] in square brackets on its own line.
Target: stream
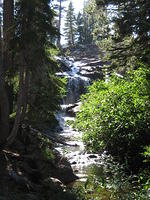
[81, 161]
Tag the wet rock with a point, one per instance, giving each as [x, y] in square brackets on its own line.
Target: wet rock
[58, 129]
[74, 163]
[93, 75]
[77, 108]
[96, 63]
[92, 156]
[65, 174]
[73, 109]
[69, 110]
[66, 64]
[82, 74]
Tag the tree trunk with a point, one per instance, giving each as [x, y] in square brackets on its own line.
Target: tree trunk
[15, 128]
[8, 16]
[25, 95]
[4, 105]
[59, 25]
[4, 109]
[72, 36]
[8, 31]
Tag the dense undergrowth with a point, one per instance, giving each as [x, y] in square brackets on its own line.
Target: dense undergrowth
[115, 117]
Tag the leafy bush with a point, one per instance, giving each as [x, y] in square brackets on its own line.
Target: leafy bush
[109, 181]
[115, 116]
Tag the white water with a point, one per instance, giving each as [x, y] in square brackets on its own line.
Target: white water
[76, 153]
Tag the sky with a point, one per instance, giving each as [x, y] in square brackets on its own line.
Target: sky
[78, 6]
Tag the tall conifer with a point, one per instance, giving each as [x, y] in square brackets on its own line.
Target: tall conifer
[70, 25]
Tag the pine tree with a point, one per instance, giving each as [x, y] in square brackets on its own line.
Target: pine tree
[27, 36]
[131, 31]
[34, 30]
[59, 9]
[5, 64]
[59, 25]
[80, 26]
[8, 17]
[89, 21]
[70, 25]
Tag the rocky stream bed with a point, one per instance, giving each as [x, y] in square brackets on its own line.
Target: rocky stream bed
[81, 69]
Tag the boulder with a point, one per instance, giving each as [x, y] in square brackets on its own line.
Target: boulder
[54, 184]
[73, 109]
[65, 64]
[94, 75]
[92, 156]
[65, 174]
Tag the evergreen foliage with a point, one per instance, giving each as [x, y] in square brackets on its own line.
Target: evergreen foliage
[70, 25]
[130, 27]
[92, 24]
[33, 39]
[30, 78]
[80, 27]
[85, 24]
[59, 8]
[89, 22]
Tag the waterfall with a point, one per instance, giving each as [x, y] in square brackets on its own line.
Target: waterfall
[75, 152]
[76, 83]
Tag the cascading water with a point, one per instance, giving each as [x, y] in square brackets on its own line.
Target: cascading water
[75, 151]
[76, 84]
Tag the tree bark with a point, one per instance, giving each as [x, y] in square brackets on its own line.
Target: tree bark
[4, 105]
[8, 17]
[4, 109]
[72, 36]
[25, 95]
[59, 25]
[15, 128]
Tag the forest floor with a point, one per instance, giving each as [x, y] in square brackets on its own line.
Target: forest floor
[31, 169]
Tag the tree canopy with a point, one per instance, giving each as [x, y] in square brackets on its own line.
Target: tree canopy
[27, 82]
[130, 27]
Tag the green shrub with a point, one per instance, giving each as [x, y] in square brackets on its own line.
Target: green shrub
[115, 116]
[146, 154]
[109, 181]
